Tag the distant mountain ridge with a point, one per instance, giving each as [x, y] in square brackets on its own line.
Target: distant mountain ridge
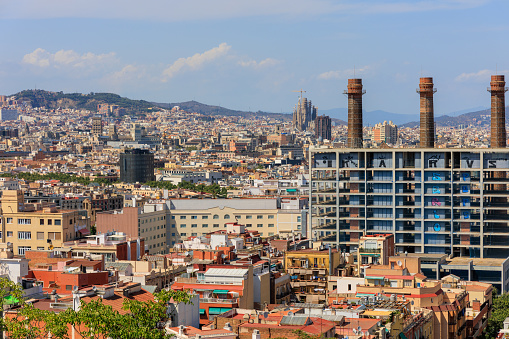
[53, 100]
[480, 118]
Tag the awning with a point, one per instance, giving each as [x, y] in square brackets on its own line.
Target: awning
[402, 336]
[218, 310]
[202, 311]
[10, 300]
[369, 277]
[220, 291]
[84, 231]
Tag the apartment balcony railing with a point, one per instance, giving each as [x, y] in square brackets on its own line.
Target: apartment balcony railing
[369, 250]
[219, 300]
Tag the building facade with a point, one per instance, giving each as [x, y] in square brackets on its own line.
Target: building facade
[323, 127]
[385, 132]
[433, 201]
[137, 165]
[97, 125]
[188, 217]
[38, 226]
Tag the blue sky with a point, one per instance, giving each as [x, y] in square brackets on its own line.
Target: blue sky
[251, 55]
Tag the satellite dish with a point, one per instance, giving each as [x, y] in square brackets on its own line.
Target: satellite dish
[366, 334]
[354, 331]
[399, 263]
[186, 253]
[359, 329]
[412, 302]
[290, 313]
[265, 314]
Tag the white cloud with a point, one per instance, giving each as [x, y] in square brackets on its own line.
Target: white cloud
[344, 73]
[66, 58]
[196, 61]
[269, 62]
[483, 75]
[127, 72]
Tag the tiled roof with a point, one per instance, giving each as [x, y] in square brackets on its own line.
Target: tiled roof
[117, 300]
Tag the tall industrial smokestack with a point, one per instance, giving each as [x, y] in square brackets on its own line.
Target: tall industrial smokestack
[427, 127]
[355, 93]
[498, 133]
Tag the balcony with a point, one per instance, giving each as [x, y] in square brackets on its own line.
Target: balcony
[233, 301]
[369, 250]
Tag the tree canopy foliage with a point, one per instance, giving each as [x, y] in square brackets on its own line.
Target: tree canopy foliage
[214, 189]
[499, 313]
[41, 98]
[93, 320]
[62, 177]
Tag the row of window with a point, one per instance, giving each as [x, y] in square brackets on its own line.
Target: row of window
[27, 235]
[143, 221]
[25, 221]
[183, 234]
[217, 225]
[161, 244]
[142, 230]
[226, 216]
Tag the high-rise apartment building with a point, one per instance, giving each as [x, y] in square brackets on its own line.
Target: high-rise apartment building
[385, 132]
[97, 125]
[433, 201]
[304, 114]
[448, 202]
[323, 127]
[137, 165]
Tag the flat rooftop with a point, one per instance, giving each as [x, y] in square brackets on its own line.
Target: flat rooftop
[476, 261]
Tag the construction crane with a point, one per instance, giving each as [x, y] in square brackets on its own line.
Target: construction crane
[301, 91]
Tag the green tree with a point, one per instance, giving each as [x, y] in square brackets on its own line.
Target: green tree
[140, 320]
[499, 312]
[10, 293]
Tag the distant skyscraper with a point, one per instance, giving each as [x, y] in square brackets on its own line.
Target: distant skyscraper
[97, 125]
[136, 132]
[323, 126]
[303, 114]
[385, 132]
[137, 165]
[112, 132]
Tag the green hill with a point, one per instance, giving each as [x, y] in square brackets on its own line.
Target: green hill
[52, 100]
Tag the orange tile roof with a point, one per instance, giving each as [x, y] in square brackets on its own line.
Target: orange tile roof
[117, 300]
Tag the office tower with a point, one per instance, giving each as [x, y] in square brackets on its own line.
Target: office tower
[136, 165]
[385, 132]
[355, 93]
[427, 127]
[323, 126]
[304, 114]
[97, 125]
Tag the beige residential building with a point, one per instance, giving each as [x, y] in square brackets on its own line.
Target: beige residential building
[148, 222]
[189, 217]
[38, 226]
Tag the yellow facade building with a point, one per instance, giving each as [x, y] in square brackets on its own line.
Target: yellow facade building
[38, 226]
